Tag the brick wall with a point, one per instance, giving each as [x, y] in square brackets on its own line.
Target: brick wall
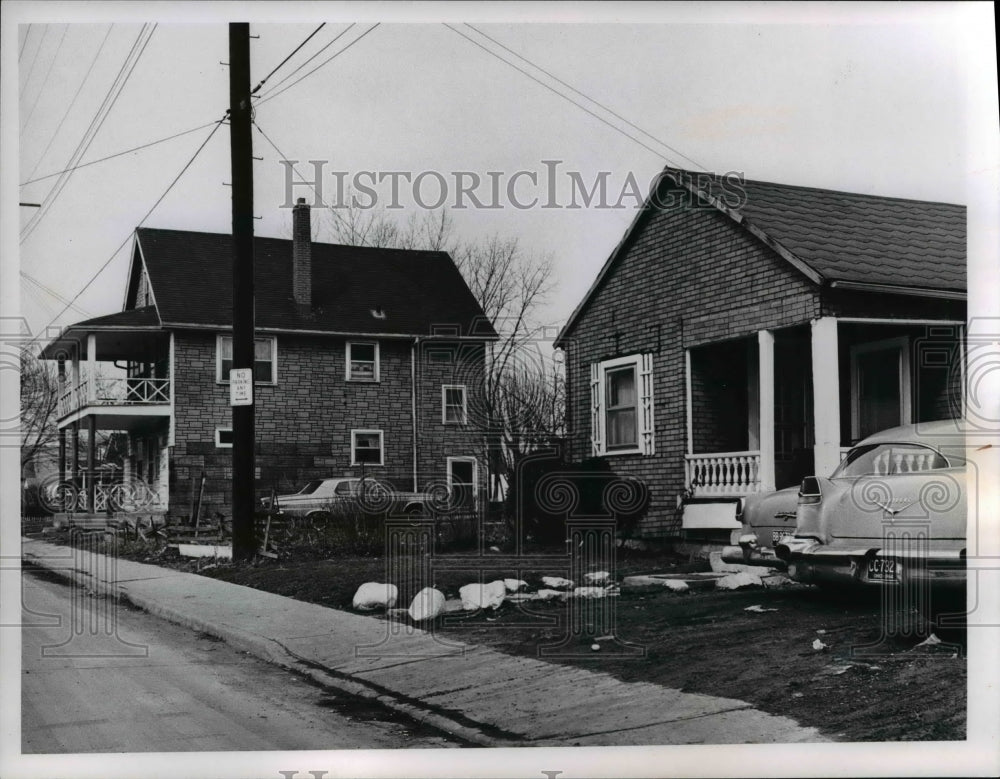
[303, 422]
[690, 276]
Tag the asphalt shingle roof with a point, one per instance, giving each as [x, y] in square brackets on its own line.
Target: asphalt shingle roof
[861, 238]
[191, 277]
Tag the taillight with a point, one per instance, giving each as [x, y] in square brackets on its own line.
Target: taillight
[810, 492]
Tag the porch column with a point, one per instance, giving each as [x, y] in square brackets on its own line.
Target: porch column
[91, 368]
[62, 455]
[687, 401]
[765, 372]
[826, 395]
[91, 463]
[75, 440]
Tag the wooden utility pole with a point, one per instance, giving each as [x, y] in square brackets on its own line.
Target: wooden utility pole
[241, 151]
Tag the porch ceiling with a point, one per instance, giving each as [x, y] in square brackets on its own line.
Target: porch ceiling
[117, 417]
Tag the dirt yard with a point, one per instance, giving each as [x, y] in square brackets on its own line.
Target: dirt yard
[860, 687]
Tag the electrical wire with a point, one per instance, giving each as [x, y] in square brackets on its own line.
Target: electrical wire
[296, 50]
[45, 81]
[24, 43]
[314, 56]
[72, 103]
[568, 99]
[274, 94]
[53, 293]
[587, 97]
[106, 107]
[142, 221]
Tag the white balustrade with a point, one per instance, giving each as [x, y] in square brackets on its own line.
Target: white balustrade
[723, 473]
[112, 391]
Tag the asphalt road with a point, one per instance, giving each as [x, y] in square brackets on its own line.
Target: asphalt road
[100, 678]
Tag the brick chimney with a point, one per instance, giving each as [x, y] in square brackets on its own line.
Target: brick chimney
[301, 255]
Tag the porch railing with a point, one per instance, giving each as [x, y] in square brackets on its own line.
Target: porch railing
[723, 473]
[111, 391]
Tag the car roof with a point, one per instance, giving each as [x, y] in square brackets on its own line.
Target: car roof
[944, 432]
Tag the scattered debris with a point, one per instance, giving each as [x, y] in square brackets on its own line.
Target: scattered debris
[598, 577]
[513, 585]
[931, 640]
[595, 647]
[557, 582]
[736, 581]
[819, 645]
[483, 596]
[494, 548]
[588, 592]
[205, 550]
[821, 632]
[605, 638]
[757, 608]
[453, 604]
[427, 604]
[798, 694]
[375, 595]
[835, 669]
[550, 594]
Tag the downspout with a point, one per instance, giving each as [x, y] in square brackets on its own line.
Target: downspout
[413, 404]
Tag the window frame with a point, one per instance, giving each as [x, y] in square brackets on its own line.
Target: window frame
[645, 439]
[381, 446]
[219, 443]
[376, 372]
[220, 379]
[464, 417]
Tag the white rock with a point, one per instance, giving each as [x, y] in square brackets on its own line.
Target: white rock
[550, 594]
[375, 595]
[513, 585]
[557, 582]
[427, 604]
[931, 640]
[819, 645]
[758, 608]
[595, 647]
[482, 596]
[598, 577]
[735, 581]
[589, 592]
[677, 585]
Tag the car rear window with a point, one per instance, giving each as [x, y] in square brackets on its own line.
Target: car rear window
[889, 459]
[310, 487]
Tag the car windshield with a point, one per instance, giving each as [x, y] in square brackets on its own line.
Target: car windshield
[310, 487]
[889, 459]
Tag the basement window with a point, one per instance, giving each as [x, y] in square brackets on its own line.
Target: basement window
[223, 438]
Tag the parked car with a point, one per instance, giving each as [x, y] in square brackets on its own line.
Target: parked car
[323, 497]
[893, 512]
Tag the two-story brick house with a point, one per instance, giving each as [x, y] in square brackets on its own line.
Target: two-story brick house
[367, 361]
[743, 334]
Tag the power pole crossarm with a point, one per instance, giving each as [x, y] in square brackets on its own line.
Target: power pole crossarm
[244, 545]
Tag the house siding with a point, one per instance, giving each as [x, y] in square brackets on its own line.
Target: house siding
[304, 421]
[689, 276]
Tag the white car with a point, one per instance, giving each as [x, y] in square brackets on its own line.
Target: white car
[324, 497]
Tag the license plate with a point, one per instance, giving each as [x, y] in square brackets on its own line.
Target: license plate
[777, 535]
[881, 569]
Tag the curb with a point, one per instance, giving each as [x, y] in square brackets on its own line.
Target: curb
[273, 652]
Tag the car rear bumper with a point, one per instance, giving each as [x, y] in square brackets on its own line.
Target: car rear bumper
[811, 562]
[750, 554]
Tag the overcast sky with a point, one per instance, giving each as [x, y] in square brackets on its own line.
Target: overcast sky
[882, 99]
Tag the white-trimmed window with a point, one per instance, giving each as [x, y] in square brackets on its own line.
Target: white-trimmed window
[265, 359]
[223, 438]
[366, 447]
[453, 404]
[621, 420]
[362, 359]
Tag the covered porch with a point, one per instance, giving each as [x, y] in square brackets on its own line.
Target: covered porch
[767, 410]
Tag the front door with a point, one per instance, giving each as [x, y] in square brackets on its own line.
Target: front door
[880, 392]
[462, 481]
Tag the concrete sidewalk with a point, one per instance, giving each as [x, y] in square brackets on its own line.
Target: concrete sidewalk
[486, 697]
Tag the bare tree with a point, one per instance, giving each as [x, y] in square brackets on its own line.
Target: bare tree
[39, 409]
[523, 389]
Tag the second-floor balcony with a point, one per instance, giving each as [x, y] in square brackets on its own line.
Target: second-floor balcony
[113, 391]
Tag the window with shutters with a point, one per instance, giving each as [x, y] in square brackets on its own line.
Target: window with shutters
[622, 406]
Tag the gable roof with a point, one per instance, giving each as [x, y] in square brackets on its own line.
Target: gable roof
[840, 239]
[191, 275]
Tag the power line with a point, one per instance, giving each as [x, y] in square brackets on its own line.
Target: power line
[31, 67]
[120, 153]
[159, 200]
[314, 56]
[112, 95]
[72, 103]
[308, 38]
[274, 94]
[587, 97]
[45, 81]
[24, 43]
[53, 293]
[560, 94]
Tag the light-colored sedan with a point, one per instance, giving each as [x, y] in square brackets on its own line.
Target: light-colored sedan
[893, 512]
[324, 497]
